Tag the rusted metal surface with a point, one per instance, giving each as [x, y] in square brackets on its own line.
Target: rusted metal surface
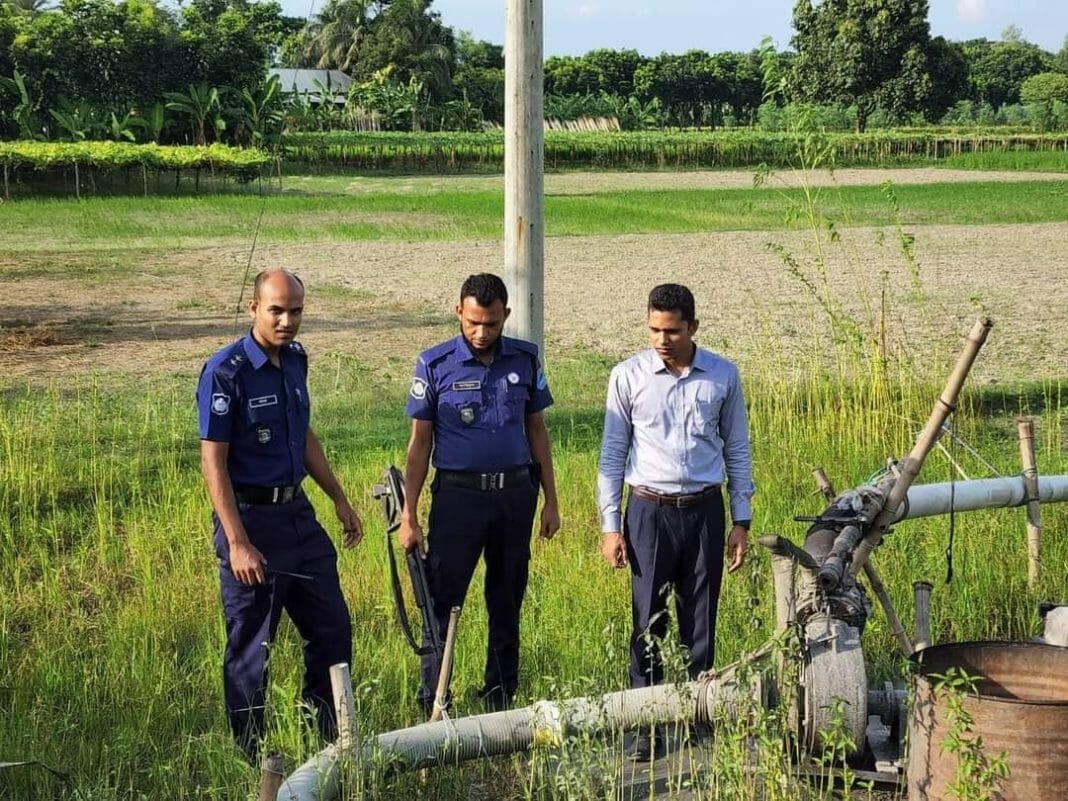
[1021, 710]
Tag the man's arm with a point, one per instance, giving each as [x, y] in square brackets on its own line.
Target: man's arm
[737, 460]
[615, 448]
[246, 562]
[416, 467]
[542, 453]
[319, 469]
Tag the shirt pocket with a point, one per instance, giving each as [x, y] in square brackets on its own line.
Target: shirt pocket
[462, 410]
[516, 397]
[266, 423]
[705, 418]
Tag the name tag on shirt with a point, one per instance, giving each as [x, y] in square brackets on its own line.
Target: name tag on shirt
[465, 386]
[263, 400]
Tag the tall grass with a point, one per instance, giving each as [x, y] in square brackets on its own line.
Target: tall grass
[112, 635]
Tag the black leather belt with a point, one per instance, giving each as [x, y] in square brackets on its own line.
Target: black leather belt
[505, 479]
[677, 501]
[261, 496]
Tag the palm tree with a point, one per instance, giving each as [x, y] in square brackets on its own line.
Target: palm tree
[337, 33]
[28, 6]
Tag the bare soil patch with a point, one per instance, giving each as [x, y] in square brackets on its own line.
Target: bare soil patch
[177, 308]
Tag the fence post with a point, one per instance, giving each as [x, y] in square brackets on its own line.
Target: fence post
[1025, 428]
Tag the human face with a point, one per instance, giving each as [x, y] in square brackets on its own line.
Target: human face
[481, 325]
[671, 337]
[277, 312]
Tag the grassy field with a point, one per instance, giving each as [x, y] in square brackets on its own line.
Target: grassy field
[110, 629]
[328, 210]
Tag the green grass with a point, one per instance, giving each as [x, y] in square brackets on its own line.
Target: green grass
[110, 626]
[164, 223]
[1043, 161]
[111, 632]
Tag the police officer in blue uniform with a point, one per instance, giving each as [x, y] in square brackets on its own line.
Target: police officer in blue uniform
[256, 449]
[476, 403]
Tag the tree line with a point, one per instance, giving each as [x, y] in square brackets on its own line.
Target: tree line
[140, 70]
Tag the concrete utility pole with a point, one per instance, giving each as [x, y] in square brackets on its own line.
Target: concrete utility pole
[524, 161]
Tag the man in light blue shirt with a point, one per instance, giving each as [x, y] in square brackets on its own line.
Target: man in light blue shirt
[675, 431]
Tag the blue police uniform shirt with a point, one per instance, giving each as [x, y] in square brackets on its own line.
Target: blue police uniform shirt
[479, 412]
[263, 411]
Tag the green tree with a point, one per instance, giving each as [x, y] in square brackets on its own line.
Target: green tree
[997, 70]
[228, 42]
[333, 39]
[866, 53]
[946, 60]
[407, 38]
[1060, 61]
[201, 104]
[479, 80]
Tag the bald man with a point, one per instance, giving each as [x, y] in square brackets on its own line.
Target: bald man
[256, 448]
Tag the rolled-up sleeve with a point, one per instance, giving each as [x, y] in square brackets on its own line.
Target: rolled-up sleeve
[615, 448]
[737, 457]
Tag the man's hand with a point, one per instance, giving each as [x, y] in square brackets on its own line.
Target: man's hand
[550, 521]
[614, 549]
[350, 523]
[737, 542]
[410, 535]
[247, 563]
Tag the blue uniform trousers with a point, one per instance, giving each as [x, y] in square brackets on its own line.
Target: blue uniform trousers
[680, 551]
[465, 524]
[291, 539]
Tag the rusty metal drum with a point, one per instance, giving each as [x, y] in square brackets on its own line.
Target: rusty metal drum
[1020, 710]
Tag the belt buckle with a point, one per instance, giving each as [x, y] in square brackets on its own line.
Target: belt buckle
[492, 481]
[282, 494]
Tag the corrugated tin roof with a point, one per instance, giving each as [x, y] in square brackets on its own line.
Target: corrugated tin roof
[300, 81]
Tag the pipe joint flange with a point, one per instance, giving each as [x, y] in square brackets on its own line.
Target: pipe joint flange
[548, 722]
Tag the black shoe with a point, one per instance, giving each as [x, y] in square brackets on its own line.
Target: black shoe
[494, 699]
[647, 746]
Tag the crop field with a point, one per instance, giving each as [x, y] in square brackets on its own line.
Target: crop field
[843, 297]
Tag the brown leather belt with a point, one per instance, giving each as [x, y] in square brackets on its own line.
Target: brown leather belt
[677, 501]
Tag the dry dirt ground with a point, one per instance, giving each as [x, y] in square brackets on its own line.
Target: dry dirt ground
[383, 301]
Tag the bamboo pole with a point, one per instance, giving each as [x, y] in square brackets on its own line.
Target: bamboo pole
[892, 618]
[909, 467]
[1025, 427]
[77, 182]
[921, 593]
[7, 192]
[441, 693]
[825, 486]
[341, 684]
[524, 161]
[782, 571]
[271, 775]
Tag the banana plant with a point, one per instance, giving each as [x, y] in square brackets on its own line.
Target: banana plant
[123, 130]
[262, 113]
[202, 105]
[151, 121]
[77, 121]
[24, 112]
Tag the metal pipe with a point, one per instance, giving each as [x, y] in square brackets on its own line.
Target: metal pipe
[782, 572]
[909, 467]
[545, 723]
[927, 500]
[344, 704]
[921, 593]
[837, 562]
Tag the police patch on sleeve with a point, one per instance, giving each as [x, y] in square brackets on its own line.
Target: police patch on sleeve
[220, 403]
[418, 390]
[542, 382]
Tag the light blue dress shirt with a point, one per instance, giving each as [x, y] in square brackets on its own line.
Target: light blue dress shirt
[674, 434]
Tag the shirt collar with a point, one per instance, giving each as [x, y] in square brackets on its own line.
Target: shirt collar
[465, 354]
[702, 360]
[256, 355]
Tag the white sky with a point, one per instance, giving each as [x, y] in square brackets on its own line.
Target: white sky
[655, 26]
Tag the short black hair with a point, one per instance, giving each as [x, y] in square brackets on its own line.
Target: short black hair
[673, 298]
[484, 288]
[263, 275]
